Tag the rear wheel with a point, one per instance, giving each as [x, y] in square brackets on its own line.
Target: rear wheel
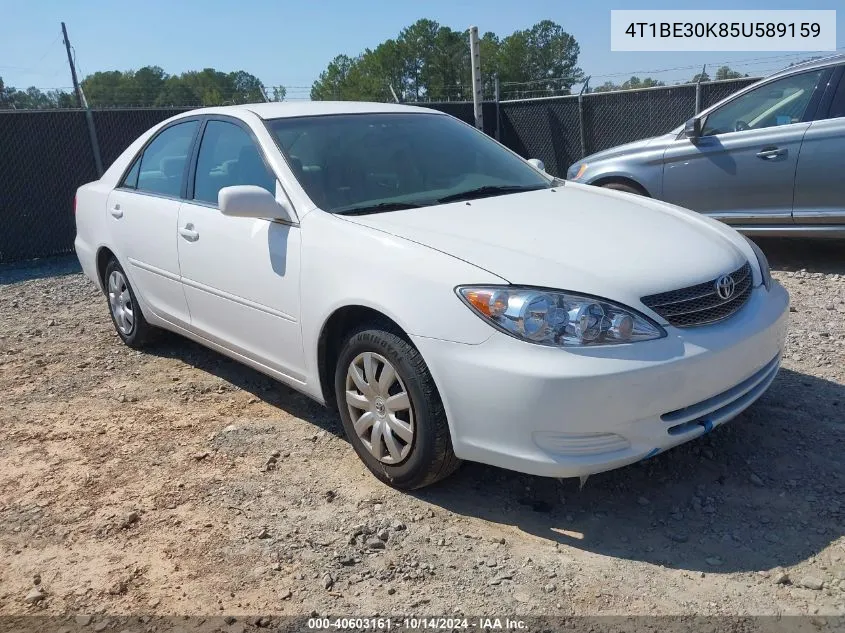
[129, 321]
[620, 186]
[391, 410]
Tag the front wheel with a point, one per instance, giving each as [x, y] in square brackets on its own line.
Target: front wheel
[391, 410]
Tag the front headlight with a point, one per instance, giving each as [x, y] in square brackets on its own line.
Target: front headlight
[576, 171]
[763, 262]
[559, 319]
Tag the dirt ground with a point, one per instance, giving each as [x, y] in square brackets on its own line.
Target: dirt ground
[141, 483]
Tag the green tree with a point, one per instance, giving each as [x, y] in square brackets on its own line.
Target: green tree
[725, 72]
[33, 99]
[331, 85]
[431, 61]
[176, 92]
[146, 84]
[553, 54]
[634, 83]
[245, 88]
[151, 86]
[111, 88]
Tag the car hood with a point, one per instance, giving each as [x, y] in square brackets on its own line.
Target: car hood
[574, 237]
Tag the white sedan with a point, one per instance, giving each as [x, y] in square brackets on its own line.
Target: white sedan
[449, 298]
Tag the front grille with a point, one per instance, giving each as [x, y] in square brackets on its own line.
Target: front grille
[701, 304]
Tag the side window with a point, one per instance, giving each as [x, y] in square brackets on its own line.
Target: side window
[163, 162]
[837, 107]
[130, 181]
[780, 102]
[228, 156]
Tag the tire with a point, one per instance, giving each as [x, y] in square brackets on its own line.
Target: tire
[618, 186]
[419, 459]
[126, 315]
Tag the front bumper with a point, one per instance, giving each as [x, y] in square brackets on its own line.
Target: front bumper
[577, 411]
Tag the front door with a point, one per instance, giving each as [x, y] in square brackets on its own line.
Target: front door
[742, 168]
[240, 275]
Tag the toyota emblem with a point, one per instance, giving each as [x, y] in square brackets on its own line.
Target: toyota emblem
[725, 286]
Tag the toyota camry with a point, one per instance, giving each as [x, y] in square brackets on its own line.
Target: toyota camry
[450, 299]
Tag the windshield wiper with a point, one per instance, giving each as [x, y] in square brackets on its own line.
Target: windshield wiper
[486, 191]
[381, 207]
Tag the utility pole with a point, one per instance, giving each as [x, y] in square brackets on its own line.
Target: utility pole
[581, 121]
[698, 89]
[477, 88]
[80, 97]
[498, 111]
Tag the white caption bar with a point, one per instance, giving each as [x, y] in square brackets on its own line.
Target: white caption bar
[723, 30]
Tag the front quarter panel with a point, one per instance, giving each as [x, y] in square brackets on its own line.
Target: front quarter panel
[643, 165]
[347, 264]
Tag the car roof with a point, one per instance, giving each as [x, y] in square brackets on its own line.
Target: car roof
[277, 110]
[823, 62]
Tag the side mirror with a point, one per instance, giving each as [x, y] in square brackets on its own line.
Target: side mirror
[249, 201]
[537, 164]
[692, 128]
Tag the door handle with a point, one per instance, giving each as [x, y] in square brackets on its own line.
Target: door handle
[768, 153]
[189, 233]
[116, 212]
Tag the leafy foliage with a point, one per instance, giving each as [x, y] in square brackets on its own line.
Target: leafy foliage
[428, 61]
[148, 86]
[725, 72]
[633, 83]
[151, 86]
[33, 98]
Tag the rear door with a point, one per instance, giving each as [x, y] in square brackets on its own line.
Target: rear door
[820, 178]
[142, 215]
[742, 168]
[240, 275]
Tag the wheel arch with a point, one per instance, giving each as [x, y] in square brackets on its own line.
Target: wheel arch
[335, 329]
[621, 180]
[104, 255]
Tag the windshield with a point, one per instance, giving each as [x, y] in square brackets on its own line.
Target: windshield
[385, 162]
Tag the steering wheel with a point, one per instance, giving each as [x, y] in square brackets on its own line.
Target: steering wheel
[741, 126]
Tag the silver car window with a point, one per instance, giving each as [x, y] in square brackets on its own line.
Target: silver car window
[780, 102]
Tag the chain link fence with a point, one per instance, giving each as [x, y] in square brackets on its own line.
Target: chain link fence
[46, 155]
[561, 130]
[548, 129]
[118, 128]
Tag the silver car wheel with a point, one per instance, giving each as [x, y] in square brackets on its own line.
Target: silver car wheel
[120, 301]
[379, 407]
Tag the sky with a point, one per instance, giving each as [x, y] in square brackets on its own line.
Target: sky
[289, 43]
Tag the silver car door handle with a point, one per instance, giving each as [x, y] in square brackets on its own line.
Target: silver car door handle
[116, 212]
[769, 153]
[189, 233]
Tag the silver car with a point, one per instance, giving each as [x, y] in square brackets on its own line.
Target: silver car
[769, 160]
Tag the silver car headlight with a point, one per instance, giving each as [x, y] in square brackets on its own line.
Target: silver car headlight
[576, 171]
[763, 262]
[558, 319]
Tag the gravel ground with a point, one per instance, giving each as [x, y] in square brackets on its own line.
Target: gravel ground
[179, 482]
